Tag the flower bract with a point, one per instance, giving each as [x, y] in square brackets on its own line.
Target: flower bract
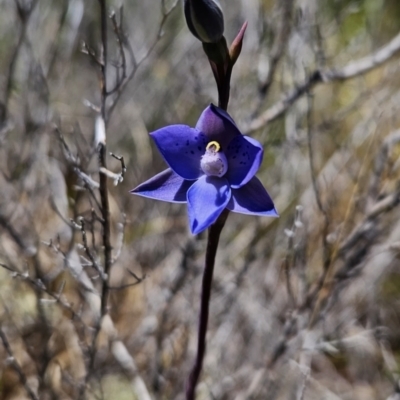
[211, 167]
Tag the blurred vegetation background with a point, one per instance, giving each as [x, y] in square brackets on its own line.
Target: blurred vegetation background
[303, 307]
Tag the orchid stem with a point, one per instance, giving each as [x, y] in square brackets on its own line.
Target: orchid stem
[212, 245]
[222, 74]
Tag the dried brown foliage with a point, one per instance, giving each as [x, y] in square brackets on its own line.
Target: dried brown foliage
[304, 307]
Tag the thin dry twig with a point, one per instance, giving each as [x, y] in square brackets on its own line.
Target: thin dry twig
[317, 192]
[327, 75]
[24, 12]
[318, 296]
[38, 284]
[104, 321]
[165, 15]
[86, 49]
[128, 285]
[288, 264]
[13, 233]
[281, 38]
[187, 254]
[16, 366]
[381, 162]
[123, 166]
[121, 39]
[120, 239]
[380, 207]
[93, 261]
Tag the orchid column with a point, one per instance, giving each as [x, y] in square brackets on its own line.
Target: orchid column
[212, 166]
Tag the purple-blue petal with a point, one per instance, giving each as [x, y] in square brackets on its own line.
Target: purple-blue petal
[182, 148]
[252, 199]
[217, 125]
[207, 198]
[244, 156]
[165, 186]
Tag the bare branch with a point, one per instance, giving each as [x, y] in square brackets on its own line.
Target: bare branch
[128, 285]
[13, 233]
[351, 70]
[16, 366]
[123, 166]
[24, 13]
[39, 285]
[279, 45]
[359, 231]
[117, 178]
[165, 14]
[120, 239]
[381, 162]
[94, 263]
[317, 192]
[90, 52]
[120, 37]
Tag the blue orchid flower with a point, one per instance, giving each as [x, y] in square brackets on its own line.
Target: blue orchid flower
[211, 167]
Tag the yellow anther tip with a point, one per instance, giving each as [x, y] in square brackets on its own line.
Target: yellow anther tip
[214, 144]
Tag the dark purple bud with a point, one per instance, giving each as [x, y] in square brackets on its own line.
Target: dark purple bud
[205, 19]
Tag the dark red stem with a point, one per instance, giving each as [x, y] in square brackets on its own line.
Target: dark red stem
[213, 238]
